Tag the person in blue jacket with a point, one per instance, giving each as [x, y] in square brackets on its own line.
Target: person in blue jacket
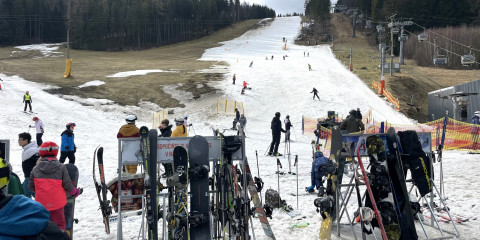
[68, 147]
[22, 217]
[317, 173]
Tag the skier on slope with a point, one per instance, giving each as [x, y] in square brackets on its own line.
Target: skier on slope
[22, 217]
[309, 67]
[29, 159]
[234, 78]
[50, 180]
[243, 124]
[277, 130]
[129, 130]
[317, 174]
[68, 144]
[288, 125]
[27, 99]
[315, 94]
[39, 128]
[352, 124]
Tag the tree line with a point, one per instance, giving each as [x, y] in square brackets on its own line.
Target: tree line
[119, 24]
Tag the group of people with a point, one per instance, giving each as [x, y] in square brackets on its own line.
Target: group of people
[240, 119]
[276, 126]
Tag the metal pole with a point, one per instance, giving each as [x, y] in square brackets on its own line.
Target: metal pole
[401, 46]
[68, 29]
[351, 60]
[296, 164]
[383, 61]
[354, 21]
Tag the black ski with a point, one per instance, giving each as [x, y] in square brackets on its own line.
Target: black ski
[69, 209]
[101, 188]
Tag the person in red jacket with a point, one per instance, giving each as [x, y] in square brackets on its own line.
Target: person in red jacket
[126, 131]
[49, 180]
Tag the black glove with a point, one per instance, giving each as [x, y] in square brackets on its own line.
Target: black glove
[75, 149]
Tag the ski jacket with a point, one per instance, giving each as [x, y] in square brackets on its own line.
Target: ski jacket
[476, 121]
[49, 180]
[288, 124]
[29, 158]
[14, 185]
[128, 130]
[180, 131]
[166, 132]
[352, 124]
[38, 126]
[68, 141]
[276, 127]
[237, 115]
[22, 217]
[317, 171]
[359, 115]
[27, 97]
[314, 91]
[243, 122]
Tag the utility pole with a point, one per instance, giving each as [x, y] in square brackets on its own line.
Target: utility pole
[402, 38]
[68, 29]
[351, 63]
[391, 41]
[354, 21]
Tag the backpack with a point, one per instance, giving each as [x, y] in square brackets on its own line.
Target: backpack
[272, 198]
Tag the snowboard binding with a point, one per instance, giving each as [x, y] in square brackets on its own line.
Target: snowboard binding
[324, 204]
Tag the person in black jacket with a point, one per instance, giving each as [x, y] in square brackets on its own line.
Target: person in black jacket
[237, 118]
[165, 128]
[276, 127]
[315, 94]
[359, 114]
[288, 125]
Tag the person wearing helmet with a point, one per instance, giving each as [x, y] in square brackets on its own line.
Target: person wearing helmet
[29, 159]
[288, 125]
[27, 99]
[14, 185]
[50, 180]
[277, 130]
[68, 144]
[20, 216]
[237, 118]
[181, 129]
[475, 129]
[352, 124]
[317, 173]
[39, 128]
[165, 128]
[129, 130]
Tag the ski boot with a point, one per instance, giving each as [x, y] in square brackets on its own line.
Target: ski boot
[310, 189]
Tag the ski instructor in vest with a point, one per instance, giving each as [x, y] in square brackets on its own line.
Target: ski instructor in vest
[276, 127]
[27, 99]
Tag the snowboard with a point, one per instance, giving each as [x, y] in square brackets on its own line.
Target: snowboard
[70, 206]
[382, 188]
[395, 168]
[199, 218]
[327, 204]
[179, 180]
[101, 188]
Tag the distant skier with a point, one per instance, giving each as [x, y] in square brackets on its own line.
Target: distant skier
[309, 67]
[277, 130]
[245, 85]
[237, 118]
[234, 78]
[39, 128]
[251, 64]
[272, 57]
[68, 148]
[315, 94]
[308, 54]
[288, 125]
[27, 99]
[352, 124]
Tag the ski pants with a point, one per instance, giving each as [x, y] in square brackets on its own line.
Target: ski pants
[58, 217]
[287, 136]
[235, 121]
[274, 144]
[64, 155]
[316, 95]
[29, 105]
[39, 139]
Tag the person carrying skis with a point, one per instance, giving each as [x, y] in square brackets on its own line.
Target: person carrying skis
[277, 130]
[39, 128]
[237, 118]
[165, 128]
[27, 99]
[180, 130]
[475, 129]
[29, 159]
[318, 173]
[288, 125]
[315, 94]
[243, 124]
[352, 124]
[21, 217]
[234, 78]
[50, 180]
[129, 130]
[68, 144]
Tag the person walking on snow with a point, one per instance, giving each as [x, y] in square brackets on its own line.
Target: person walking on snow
[39, 128]
[309, 67]
[68, 148]
[277, 130]
[234, 78]
[251, 64]
[288, 125]
[50, 180]
[129, 130]
[315, 94]
[29, 159]
[27, 99]
[237, 118]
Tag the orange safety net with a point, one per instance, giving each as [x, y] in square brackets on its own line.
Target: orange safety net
[387, 94]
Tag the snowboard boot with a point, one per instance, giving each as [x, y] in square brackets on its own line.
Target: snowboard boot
[310, 189]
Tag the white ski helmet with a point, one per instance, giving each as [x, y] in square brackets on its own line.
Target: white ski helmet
[185, 116]
[477, 113]
[131, 118]
[179, 121]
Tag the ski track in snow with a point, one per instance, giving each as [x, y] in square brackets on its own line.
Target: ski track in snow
[277, 85]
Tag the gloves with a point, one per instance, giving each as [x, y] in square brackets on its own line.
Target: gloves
[75, 192]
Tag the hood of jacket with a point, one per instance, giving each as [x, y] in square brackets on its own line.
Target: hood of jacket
[22, 216]
[48, 166]
[29, 150]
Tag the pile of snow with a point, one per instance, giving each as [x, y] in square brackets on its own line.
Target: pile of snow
[136, 73]
[92, 83]
[46, 49]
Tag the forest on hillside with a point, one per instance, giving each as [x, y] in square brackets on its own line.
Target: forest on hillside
[119, 24]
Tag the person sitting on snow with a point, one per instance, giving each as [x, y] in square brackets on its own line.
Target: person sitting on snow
[318, 173]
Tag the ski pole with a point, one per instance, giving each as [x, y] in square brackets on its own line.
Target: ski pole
[296, 164]
[278, 179]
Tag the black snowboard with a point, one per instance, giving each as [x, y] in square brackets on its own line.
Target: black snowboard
[180, 181]
[395, 169]
[70, 207]
[199, 219]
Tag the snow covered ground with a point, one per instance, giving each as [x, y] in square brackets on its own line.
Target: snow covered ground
[277, 85]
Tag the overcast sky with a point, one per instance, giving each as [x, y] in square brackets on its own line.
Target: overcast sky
[284, 6]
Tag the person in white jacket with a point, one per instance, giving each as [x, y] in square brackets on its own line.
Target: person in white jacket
[39, 128]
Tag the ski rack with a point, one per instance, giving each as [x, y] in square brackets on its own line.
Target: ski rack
[128, 149]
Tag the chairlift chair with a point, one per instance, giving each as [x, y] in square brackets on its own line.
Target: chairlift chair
[380, 28]
[422, 37]
[440, 60]
[467, 60]
[395, 30]
[368, 24]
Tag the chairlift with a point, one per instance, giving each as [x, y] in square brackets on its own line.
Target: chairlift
[368, 24]
[395, 30]
[467, 60]
[440, 60]
[403, 38]
[380, 28]
[361, 15]
[359, 21]
[422, 37]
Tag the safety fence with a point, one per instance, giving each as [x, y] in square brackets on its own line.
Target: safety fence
[458, 135]
[228, 106]
[387, 94]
